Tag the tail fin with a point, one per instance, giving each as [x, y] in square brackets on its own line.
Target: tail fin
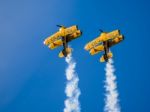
[68, 50]
[109, 55]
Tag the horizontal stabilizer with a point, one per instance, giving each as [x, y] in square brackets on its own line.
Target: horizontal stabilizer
[109, 55]
[68, 51]
[61, 54]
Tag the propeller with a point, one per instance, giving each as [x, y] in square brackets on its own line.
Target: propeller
[101, 30]
[60, 26]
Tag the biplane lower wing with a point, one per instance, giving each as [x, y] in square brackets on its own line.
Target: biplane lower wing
[56, 44]
[96, 49]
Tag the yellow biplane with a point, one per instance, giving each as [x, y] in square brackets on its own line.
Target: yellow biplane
[62, 37]
[103, 43]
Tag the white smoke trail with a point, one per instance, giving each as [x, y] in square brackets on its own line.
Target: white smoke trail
[72, 91]
[111, 101]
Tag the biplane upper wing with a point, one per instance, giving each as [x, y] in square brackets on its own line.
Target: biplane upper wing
[52, 38]
[113, 34]
[71, 29]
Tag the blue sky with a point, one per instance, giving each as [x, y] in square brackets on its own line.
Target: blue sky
[32, 78]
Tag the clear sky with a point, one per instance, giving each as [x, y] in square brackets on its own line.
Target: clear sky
[32, 77]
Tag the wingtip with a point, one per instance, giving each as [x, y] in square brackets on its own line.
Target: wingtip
[44, 42]
[86, 48]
